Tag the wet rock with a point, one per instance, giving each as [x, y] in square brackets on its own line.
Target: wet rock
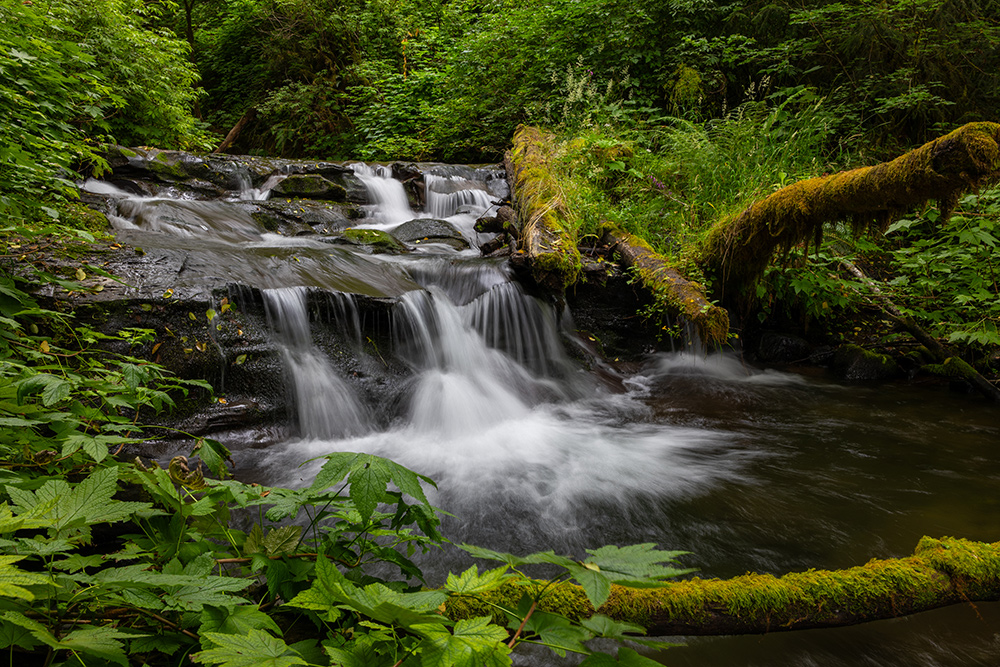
[779, 348]
[428, 230]
[496, 247]
[304, 214]
[310, 186]
[854, 363]
[374, 239]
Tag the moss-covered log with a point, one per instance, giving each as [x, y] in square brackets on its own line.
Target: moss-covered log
[677, 295]
[548, 235]
[736, 251]
[939, 573]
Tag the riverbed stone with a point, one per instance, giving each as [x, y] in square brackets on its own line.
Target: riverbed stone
[310, 186]
[303, 214]
[854, 363]
[428, 230]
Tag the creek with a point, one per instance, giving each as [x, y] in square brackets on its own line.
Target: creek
[749, 469]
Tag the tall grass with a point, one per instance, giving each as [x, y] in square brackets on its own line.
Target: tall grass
[668, 180]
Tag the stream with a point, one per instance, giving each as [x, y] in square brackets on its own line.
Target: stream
[749, 469]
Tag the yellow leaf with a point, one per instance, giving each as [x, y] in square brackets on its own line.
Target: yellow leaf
[44, 347]
[80, 274]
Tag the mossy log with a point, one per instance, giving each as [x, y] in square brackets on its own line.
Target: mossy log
[678, 295]
[548, 235]
[939, 573]
[736, 251]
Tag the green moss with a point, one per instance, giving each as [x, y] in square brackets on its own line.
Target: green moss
[375, 238]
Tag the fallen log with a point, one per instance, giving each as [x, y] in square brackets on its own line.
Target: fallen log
[234, 133]
[941, 572]
[672, 292]
[736, 251]
[547, 230]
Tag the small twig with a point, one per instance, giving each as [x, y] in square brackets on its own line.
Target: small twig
[520, 629]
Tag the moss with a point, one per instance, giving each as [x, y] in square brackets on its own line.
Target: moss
[940, 572]
[547, 225]
[80, 216]
[374, 238]
[564, 599]
[673, 294]
[159, 166]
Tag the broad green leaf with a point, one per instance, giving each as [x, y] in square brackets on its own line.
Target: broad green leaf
[236, 620]
[368, 484]
[13, 579]
[52, 388]
[15, 635]
[472, 642]
[595, 584]
[282, 540]
[100, 641]
[555, 631]
[214, 454]
[635, 565]
[602, 626]
[254, 649]
[471, 582]
[630, 658]
[330, 591]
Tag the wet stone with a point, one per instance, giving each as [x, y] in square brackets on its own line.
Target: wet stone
[428, 230]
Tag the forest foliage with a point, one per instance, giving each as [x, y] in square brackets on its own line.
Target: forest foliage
[668, 116]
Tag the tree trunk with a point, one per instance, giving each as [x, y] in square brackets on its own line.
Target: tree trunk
[737, 251]
[245, 119]
[940, 573]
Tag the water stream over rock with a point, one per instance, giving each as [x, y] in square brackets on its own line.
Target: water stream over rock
[442, 361]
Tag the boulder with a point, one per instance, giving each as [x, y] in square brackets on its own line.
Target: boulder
[428, 230]
[856, 364]
[310, 186]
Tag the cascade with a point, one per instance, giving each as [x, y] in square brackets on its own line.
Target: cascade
[442, 362]
[390, 205]
[324, 404]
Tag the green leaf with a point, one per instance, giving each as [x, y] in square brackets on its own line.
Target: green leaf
[282, 540]
[52, 388]
[99, 641]
[638, 565]
[13, 579]
[368, 484]
[602, 626]
[254, 649]
[473, 642]
[214, 454]
[471, 582]
[330, 591]
[236, 620]
[595, 584]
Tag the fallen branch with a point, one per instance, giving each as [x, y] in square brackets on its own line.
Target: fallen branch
[678, 295]
[737, 251]
[245, 119]
[939, 573]
[950, 365]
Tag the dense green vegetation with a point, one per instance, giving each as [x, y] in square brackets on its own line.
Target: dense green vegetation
[667, 117]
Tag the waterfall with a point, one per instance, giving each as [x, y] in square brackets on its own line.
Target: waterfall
[325, 406]
[446, 195]
[390, 205]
